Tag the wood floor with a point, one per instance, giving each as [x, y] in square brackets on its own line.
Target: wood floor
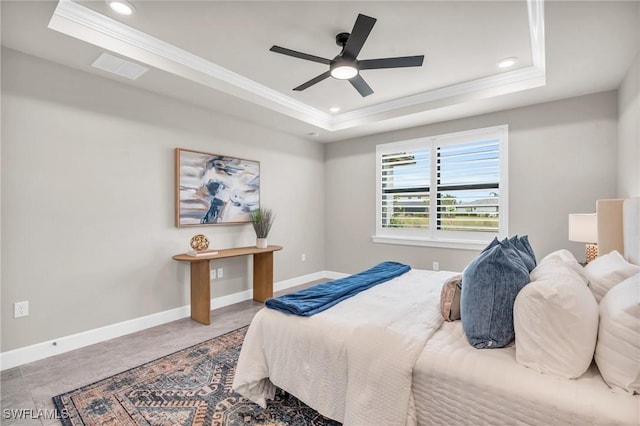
[31, 386]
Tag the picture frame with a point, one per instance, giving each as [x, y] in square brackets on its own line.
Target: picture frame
[213, 189]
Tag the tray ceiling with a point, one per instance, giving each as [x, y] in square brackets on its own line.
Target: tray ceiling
[216, 54]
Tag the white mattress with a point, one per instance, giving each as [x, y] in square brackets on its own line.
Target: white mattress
[353, 362]
[454, 383]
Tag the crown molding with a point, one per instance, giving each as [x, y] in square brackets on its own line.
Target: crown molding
[535, 9]
[80, 22]
[508, 82]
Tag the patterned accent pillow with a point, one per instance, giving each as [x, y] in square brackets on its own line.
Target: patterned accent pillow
[450, 298]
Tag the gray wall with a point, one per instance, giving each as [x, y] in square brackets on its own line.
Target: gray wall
[629, 133]
[562, 158]
[87, 192]
[87, 200]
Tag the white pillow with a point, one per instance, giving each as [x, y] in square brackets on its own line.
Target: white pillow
[563, 254]
[556, 321]
[618, 349]
[556, 264]
[604, 272]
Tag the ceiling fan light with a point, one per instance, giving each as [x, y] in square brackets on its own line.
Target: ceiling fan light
[344, 72]
[122, 7]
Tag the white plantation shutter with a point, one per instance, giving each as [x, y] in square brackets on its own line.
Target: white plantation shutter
[448, 190]
[405, 189]
[469, 186]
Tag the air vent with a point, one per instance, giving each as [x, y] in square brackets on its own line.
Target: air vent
[119, 66]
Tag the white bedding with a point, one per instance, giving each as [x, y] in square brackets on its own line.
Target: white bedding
[378, 334]
[406, 367]
[454, 383]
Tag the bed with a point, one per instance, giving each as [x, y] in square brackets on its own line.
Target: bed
[387, 357]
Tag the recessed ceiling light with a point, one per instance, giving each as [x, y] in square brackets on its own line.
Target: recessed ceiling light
[334, 109]
[507, 62]
[123, 7]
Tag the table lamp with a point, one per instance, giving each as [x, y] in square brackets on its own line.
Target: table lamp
[584, 228]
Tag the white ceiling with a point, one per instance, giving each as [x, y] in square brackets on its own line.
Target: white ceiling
[216, 54]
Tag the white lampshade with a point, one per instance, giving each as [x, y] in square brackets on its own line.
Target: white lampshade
[583, 228]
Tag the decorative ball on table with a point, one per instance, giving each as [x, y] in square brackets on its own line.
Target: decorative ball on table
[199, 242]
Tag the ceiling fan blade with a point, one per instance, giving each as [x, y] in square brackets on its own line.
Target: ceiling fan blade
[300, 55]
[361, 86]
[399, 62]
[359, 33]
[313, 81]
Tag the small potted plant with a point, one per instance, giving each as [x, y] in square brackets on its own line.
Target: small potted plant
[262, 219]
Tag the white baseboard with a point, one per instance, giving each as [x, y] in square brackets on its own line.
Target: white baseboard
[38, 351]
[283, 285]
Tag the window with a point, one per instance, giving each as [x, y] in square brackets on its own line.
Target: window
[447, 190]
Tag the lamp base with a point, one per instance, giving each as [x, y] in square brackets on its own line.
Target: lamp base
[591, 252]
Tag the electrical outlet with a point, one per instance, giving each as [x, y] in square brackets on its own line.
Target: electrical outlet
[220, 273]
[20, 309]
[303, 257]
[212, 274]
[436, 266]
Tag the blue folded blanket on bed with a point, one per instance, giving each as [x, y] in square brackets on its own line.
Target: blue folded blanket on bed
[316, 299]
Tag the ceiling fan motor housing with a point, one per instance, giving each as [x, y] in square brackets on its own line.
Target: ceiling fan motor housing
[343, 67]
[342, 38]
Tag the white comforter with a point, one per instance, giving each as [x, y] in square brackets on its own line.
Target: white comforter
[353, 362]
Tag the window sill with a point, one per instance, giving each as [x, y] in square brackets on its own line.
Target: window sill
[425, 242]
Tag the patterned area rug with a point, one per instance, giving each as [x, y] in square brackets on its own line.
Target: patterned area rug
[189, 387]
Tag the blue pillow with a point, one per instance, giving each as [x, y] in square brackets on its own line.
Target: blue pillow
[523, 247]
[521, 244]
[490, 284]
[492, 244]
[525, 243]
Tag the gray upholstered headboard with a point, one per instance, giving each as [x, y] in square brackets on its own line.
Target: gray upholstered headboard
[619, 227]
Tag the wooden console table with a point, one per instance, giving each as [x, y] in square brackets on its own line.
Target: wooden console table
[200, 281]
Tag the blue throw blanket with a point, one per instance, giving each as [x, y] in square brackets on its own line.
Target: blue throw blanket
[316, 299]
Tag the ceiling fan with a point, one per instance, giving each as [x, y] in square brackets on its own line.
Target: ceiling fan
[346, 66]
